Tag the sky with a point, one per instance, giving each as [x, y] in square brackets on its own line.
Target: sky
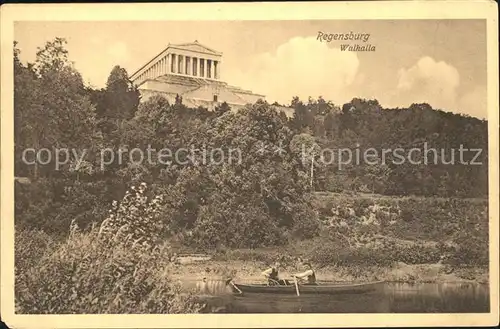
[440, 62]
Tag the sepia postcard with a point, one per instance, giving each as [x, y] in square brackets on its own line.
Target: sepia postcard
[246, 165]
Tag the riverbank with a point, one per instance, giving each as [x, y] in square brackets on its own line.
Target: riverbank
[249, 272]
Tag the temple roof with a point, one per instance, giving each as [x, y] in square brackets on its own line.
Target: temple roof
[196, 47]
[186, 80]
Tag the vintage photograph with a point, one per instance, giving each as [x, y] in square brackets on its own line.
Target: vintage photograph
[251, 166]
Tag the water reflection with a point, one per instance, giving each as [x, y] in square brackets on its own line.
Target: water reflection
[393, 298]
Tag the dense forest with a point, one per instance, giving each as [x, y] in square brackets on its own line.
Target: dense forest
[263, 200]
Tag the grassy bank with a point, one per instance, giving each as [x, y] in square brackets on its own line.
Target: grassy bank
[85, 274]
[361, 239]
[249, 271]
[370, 237]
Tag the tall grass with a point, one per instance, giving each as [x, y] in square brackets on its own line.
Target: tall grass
[84, 275]
[110, 269]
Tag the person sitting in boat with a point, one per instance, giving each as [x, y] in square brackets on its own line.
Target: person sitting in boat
[271, 274]
[299, 263]
[308, 276]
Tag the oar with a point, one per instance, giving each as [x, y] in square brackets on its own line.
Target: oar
[296, 286]
[235, 287]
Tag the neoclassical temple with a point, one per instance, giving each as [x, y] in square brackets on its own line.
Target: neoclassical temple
[193, 72]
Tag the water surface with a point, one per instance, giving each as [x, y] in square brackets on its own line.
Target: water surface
[392, 298]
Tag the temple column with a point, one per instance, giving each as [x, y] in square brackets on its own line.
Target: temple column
[200, 69]
[188, 65]
[216, 74]
[207, 69]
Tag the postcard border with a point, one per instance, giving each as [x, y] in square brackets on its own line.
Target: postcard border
[242, 11]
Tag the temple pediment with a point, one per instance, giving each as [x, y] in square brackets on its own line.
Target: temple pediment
[195, 47]
[192, 71]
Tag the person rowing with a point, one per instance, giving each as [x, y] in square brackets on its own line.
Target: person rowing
[271, 274]
[308, 276]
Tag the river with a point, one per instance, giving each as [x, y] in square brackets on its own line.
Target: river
[392, 298]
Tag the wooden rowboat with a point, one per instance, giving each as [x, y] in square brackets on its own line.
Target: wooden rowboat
[321, 288]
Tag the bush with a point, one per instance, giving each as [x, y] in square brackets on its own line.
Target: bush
[51, 205]
[471, 251]
[85, 275]
[329, 254]
[325, 254]
[361, 205]
[119, 268]
[306, 228]
[135, 220]
[412, 254]
[29, 247]
[235, 223]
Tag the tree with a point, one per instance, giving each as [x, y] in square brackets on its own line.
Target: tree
[223, 108]
[52, 57]
[302, 118]
[121, 96]
[50, 104]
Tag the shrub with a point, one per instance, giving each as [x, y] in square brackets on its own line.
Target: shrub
[51, 205]
[361, 205]
[118, 269]
[412, 254]
[326, 254]
[86, 275]
[235, 223]
[471, 250]
[134, 221]
[306, 228]
[30, 246]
